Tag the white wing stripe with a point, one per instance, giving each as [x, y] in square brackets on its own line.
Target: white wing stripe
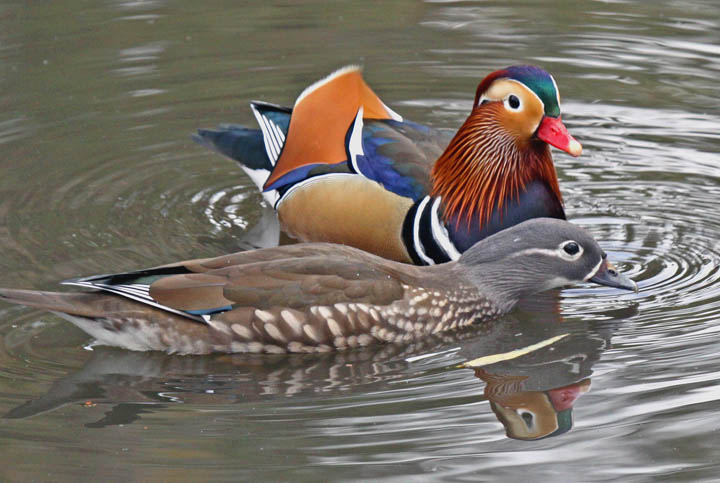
[271, 147]
[133, 296]
[271, 129]
[270, 141]
[136, 288]
[355, 144]
[278, 133]
[394, 115]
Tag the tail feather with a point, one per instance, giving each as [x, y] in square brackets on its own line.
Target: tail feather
[88, 304]
[238, 143]
[246, 147]
[255, 150]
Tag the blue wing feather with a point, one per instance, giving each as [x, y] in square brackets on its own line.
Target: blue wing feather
[400, 155]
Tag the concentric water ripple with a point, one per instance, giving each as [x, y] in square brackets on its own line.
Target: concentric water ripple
[657, 217]
[99, 175]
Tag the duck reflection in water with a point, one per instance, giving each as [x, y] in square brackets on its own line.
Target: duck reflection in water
[531, 394]
[531, 415]
[533, 377]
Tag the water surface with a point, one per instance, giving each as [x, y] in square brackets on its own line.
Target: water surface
[98, 173]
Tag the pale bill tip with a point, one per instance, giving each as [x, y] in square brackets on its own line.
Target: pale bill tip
[574, 148]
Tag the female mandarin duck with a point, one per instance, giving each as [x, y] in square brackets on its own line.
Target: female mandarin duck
[319, 297]
[341, 167]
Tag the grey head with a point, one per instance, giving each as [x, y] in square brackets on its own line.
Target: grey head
[536, 255]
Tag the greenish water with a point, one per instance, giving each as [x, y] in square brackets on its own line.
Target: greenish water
[98, 173]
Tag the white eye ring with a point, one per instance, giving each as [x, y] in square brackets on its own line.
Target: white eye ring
[570, 250]
[513, 103]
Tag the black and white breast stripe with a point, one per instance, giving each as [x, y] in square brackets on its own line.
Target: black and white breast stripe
[135, 291]
[426, 238]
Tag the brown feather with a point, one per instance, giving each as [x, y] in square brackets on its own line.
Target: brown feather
[290, 282]
[195, 291]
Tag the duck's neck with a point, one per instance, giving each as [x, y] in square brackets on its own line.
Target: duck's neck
[502, 284]
[485, 167]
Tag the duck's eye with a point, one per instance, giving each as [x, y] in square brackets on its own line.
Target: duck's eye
[571, 248]
[513, 102]
[528, 417]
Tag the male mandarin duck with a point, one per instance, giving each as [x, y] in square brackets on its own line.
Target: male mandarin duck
[342, 167]
[320, 297]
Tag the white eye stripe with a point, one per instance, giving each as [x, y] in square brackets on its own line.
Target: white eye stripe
[557, 91]
[534, 93]
[484, 99]
[539, 251]
[559, 252]
[505, 94]
[506, 102]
